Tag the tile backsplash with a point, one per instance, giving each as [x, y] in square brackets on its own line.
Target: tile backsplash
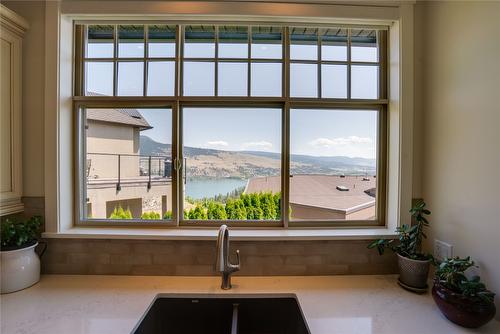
[146, 257]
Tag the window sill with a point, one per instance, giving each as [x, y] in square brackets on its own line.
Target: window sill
[210, 234]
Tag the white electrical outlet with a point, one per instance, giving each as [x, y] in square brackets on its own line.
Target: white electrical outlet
[442, 250]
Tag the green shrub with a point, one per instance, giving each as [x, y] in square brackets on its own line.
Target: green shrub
[150, 215]
[167, 215]
[255, 206]
[197, 213]
[119, 213]
[216, 211]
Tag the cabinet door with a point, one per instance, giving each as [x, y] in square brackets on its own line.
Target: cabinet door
[10, 123]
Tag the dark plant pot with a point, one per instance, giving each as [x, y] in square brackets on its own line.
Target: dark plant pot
[460, 309]
[413, 273]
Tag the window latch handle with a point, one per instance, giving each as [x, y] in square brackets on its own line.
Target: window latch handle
[177, 164]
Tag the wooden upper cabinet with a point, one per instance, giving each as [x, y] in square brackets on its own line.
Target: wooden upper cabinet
[12, 30]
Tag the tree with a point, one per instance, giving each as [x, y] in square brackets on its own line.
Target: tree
[216, 211]
[198, 213]
[235, 209]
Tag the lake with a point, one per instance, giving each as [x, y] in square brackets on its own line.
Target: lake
[202, 187]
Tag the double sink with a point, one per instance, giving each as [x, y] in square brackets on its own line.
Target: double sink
[223, 314]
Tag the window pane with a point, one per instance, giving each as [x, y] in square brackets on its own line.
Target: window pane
[232, 163]
[130, 78]
[304, 80]
[304, 43]
[199, 78]
[334, 81]
[100, 41]
[334, 44]
[266, 79]
[161, 77]
[233, 78]
[364, 82]
[267, 43]
[199, 41]
[99, 78]
[161, 41]
[333, 164]
[233, 42]
[364, 45]
[124, 148]
[131, 41]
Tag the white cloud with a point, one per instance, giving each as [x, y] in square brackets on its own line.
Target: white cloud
[217, 143]
[258, 145]
[340, 141]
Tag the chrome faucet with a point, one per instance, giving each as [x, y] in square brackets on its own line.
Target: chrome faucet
[222, 264]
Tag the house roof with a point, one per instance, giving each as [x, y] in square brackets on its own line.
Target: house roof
[321, 190]
[130, 117]
[127, 116]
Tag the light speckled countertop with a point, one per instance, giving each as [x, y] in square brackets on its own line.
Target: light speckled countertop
[114, 304]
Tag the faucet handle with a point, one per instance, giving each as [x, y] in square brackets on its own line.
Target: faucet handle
[236, 266]
[237, 259]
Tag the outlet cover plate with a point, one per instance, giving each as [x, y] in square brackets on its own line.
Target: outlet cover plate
[442, 250]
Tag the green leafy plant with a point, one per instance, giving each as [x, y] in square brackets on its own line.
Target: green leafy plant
[16, 233]
[451, 274]
[150, 215]
[119, 213]
[409, 242]
[167, 215]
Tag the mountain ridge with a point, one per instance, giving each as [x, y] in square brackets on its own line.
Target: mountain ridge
[206, 162]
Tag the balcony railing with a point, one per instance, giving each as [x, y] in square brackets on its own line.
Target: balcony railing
[119, 167]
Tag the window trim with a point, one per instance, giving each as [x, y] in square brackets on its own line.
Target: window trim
[59, 76]
[178, 101]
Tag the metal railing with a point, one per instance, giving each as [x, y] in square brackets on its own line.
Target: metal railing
[146, 166]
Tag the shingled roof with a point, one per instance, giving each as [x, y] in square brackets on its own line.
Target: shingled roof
[321, 190]
[130, 117]
[126, 116]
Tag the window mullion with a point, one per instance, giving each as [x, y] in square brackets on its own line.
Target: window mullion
[216, 69]
[348, 63]
[146, 56]
[115, 61]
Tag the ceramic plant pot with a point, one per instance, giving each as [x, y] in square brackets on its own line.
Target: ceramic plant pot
[460, 309]
[20, 268]
[413, 273]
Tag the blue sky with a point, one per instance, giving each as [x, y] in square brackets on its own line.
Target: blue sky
[313, 132]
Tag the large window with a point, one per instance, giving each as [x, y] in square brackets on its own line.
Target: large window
[251, 125]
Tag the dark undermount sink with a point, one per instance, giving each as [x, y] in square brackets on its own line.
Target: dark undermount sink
[220, 314]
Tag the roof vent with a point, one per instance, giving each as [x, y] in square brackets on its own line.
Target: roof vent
[366, 179]
[342, 188]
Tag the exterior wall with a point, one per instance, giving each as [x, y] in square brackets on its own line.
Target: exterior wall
[308, 212]
[366, 213]
[125, 257]
[151, 200]
[115, 139]
[460, 104]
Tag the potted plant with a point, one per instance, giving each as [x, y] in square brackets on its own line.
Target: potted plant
[464, 301]
[20, 265]
[412, 262]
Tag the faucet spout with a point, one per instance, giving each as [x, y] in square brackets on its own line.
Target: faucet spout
[222, 264]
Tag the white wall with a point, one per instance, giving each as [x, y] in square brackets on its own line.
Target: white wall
[33, 94]
[458, 57]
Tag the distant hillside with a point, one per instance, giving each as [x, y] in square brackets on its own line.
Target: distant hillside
[202, 162]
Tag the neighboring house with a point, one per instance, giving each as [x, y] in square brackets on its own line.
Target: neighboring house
[117, 175]
[324, 196]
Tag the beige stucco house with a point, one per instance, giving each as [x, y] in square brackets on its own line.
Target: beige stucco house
[117, 173]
